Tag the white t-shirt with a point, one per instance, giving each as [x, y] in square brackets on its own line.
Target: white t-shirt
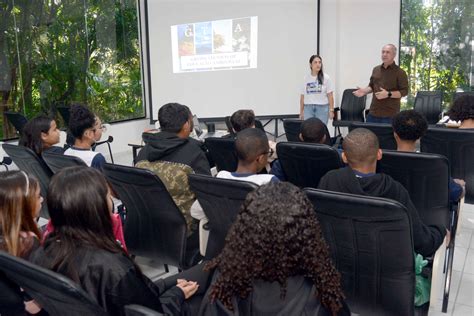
[313, 92]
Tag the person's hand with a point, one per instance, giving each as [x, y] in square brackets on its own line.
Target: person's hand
[461, 182]
[448, 237]
[360, 92]
[188, 287]
[301, 116]
[382, 94]
[331, 114]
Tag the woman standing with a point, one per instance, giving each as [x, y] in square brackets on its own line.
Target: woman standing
[317, 98]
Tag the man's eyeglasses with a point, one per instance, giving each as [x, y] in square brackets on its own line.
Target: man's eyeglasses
[269, 152]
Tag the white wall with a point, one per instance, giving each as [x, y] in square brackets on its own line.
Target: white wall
[351, 38]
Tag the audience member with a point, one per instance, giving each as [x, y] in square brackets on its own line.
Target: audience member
[20, 204]
[463, 110]
[361, 152]
[313, 130]
[275, 260]
[242, 119]
[251, 146]
[41, 134]
[86, 128]
[408, 127]
[173, 143]
[83, 247]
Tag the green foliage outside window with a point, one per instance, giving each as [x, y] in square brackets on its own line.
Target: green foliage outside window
[56, 52]
[437, 46]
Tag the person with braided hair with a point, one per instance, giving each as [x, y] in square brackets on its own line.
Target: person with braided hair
[275, 260]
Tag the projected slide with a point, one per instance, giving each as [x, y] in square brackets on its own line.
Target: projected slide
[215, 45]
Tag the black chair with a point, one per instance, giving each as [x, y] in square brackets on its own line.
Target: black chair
[222, 152]
[426, 178]
[108, 141]
[228, 124]
[351, 110]
[304, 164]
[154, 226]
[292, 129]
[56, 161]
[458, 146]
[18, 120]
[221, 200]
[6, 161]
[29, 162]
[138, 310]
[383, 131]
[54, 292]
[64, 112]
[430, 104]
[371, 243]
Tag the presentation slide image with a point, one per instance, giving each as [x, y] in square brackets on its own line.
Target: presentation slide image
[215, 45]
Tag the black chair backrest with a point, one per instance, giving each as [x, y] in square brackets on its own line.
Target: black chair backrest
[18, 120]
[30, 163]
[221, 200]
[458, 146]
[383, 131]
[229, 126]
[426, 178]
[292, 129]
[429, 103]
[154, 227]
[54, 292]
[64, 112]
[371, 243]
[138, 310]
[222, 152]
[56, 161]
[352, 107]
[304, 164]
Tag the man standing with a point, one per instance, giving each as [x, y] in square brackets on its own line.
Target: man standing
[389, 83]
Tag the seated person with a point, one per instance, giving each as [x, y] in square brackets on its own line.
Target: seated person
[463, 110]
[86, 128]
[361, 152]
[408, 127]
[251, 146]
[83, 248]
[173, 143]
[41, 134]
[243, 119]
[20, 204]
[313, 130]
[275, 260]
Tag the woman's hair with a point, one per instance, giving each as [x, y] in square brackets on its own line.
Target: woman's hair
[31, 136]
[276, 236]
[77, 204]
[321, 72]
[81, 119]
[462, 108]
[17, 208]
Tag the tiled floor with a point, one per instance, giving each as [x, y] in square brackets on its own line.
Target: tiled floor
[461, 299]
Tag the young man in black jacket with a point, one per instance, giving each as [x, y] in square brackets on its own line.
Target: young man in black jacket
[173, 143]
[361, 152]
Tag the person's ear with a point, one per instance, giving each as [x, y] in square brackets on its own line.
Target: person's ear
[397, 138]
[344, 158]
[300, 136]
[44, 136]
[379, 154]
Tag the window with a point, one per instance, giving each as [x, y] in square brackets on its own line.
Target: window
[437, 46]
[56, 52]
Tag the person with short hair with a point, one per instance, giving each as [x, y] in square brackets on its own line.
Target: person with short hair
[275, 260]
[242, 119]
[388, 83]
[173, 143]
[313, 130]
[408, 127]
[317, 99]
[40, 134]
[86, 128]
[361, 152]
[463, 110]
[251, 146]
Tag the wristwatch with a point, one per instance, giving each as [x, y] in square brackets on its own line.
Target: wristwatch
[390, 94]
